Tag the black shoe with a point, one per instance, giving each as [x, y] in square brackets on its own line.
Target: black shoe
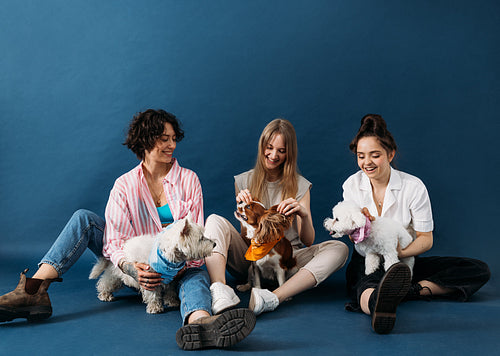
[414, 293]
[391, 290]
[223, 330]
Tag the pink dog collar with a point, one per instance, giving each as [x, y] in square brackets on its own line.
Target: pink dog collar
[361, 233]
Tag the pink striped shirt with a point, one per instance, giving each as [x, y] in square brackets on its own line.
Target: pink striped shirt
[131, 210]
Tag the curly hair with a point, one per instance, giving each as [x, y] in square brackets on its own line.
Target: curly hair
[147, 127]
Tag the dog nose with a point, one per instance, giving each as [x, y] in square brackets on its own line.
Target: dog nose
[215, 244]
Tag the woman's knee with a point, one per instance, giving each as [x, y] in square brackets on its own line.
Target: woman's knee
[336, 249]
[484, 273]
[86, 216]
[214, 220]
[217, 228]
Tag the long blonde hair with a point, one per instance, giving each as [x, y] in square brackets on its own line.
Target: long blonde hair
[289, 174]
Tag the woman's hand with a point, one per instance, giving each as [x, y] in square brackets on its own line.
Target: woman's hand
[366, 213]
[141, 272]
[244, 196]
[400, 251]
[290, 206]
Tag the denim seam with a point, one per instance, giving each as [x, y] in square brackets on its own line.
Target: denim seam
[78, 244]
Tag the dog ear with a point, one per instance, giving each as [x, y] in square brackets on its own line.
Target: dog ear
[271, 227]
[187, 228]
[289, 218]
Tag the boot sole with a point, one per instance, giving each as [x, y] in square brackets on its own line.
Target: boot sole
[32, 313]
[392, 289]
[227, 330]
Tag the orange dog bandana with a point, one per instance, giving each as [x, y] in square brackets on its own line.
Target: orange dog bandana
[256, 251]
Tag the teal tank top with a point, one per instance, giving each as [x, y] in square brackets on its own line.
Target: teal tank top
[165, 214]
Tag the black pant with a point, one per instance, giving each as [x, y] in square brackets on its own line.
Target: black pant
[464, 275]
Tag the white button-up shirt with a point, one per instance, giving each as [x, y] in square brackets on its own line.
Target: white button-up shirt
[406, 199]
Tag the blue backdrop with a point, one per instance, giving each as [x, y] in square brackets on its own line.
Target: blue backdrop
[73, 73]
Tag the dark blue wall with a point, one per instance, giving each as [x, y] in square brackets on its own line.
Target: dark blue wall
[73, 73]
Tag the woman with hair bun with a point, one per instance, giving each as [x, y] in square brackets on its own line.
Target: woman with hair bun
[390, 193]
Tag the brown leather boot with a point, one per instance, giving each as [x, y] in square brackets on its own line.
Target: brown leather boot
[29, 300]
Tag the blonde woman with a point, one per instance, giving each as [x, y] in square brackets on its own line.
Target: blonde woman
[274, 181]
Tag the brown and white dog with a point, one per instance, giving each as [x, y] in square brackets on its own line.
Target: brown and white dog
[269, 251]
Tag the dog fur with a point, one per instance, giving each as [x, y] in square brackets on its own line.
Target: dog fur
[182, 241]
[382, 240]
[263, 226]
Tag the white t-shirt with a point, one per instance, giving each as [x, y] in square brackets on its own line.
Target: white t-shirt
[406, 199]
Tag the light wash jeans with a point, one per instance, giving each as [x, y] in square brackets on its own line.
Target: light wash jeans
[194, 292]
[86, 229]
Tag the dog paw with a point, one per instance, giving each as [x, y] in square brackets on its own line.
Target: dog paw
[154, 308]
[172, 302]
[105, 297]
[369, 270]
[244, 287]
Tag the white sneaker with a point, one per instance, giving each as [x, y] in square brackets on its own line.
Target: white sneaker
[262, 300]
[223, 297]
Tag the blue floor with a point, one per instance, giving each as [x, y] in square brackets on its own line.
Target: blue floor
[314, 322]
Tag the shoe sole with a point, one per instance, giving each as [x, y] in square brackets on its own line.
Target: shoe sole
[33, 313]
[227, 330]
[392, 289]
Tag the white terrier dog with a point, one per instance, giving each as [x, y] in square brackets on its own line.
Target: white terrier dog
[372, 239]
[166, 253]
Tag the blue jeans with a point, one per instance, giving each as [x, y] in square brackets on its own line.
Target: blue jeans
[194, 292]
[86, 229]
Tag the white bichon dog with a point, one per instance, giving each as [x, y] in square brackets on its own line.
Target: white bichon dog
[166, 253]
[372, 239]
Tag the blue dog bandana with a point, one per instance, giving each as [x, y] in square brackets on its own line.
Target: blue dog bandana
[160, 264]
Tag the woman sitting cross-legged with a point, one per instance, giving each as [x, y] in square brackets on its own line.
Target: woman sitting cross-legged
[273, 181]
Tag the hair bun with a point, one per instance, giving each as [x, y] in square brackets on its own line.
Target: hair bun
[375, 124]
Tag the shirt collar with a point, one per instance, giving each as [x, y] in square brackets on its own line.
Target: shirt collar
[172, 175]
[395, 182]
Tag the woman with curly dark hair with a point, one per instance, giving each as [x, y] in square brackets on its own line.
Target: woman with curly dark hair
[144, 200]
